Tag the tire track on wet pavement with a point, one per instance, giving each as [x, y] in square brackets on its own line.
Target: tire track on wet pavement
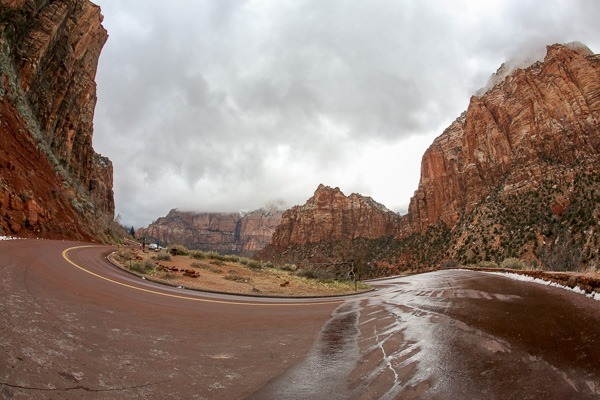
[453, 335]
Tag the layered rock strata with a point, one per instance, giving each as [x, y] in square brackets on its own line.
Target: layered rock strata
[548, 112]
[329, 215]
[49, 52]
[232, 233]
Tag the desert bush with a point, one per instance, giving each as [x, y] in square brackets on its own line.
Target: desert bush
[488, 264]
[562, 256]
[513, 263]
[168, 275]
[253, 264]
[218, 263]
[179, 250]
[289, 267]
[163, 257]
[124, 254]
[231, 258]
[198, 255]
[213, 255]
[450, 264]
[311, 274]
[143, 267]
[236, 278]
[205, 267]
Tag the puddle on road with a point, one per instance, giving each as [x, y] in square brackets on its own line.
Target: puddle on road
[338, 335]
[324, 372]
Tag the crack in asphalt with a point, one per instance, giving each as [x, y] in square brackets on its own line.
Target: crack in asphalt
[80, 387]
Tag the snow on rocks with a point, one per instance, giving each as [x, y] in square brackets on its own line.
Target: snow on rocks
[526, 278]
[8, 238]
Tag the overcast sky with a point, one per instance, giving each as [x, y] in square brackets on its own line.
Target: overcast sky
[227, 105]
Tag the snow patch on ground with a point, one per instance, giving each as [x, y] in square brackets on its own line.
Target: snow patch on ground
[8, 238]
[525, 278]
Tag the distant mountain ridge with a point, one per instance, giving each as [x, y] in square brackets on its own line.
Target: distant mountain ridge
[231, 233]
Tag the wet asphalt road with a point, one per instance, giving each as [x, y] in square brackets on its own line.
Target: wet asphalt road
[453, 335]
[69, 334]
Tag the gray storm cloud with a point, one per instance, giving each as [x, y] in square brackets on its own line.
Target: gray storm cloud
[227, 105]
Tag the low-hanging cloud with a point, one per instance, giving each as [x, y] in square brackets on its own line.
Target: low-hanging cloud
[220, 105]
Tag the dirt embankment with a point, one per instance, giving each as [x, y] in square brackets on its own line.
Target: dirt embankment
[228, 274]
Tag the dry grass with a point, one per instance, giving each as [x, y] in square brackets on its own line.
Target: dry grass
[234, 276]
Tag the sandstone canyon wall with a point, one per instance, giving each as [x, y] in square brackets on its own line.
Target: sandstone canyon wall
[547, 113]
[52, 183]
[231, 233]
[329, 215]
[516, 175]
[332, 229]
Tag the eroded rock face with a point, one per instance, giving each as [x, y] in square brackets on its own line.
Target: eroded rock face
[516, 175]
[233, 233]
[49, 52]
[33, 199]
[547, 112]
[332, 216]
[257, 228]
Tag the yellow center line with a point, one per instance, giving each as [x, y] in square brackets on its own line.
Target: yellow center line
[241, 303]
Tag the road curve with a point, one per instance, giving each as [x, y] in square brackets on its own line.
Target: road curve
[75, 327]
[84, 329]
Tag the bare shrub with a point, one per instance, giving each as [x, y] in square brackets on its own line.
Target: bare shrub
[198, 255]
[255, 265]
[213, 255]
[237, 278]
[289, 267]
[124, 254]
[163, 257]
[231, 258]
[178, 249]
[513, 263]
[450, 264]
[143, 267]
[205, 267]
[562, 256]
[317, 274]
[168, 275]
[488, 264]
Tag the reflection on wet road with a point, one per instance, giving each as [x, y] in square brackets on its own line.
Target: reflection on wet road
[453, 335]
[329, 362]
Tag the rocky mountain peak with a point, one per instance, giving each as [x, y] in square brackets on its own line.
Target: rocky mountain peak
[331, 215]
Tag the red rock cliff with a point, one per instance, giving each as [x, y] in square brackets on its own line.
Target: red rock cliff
[234, 233]
[48, 54]
[332, 216]
[256, 229]
[548, 111]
